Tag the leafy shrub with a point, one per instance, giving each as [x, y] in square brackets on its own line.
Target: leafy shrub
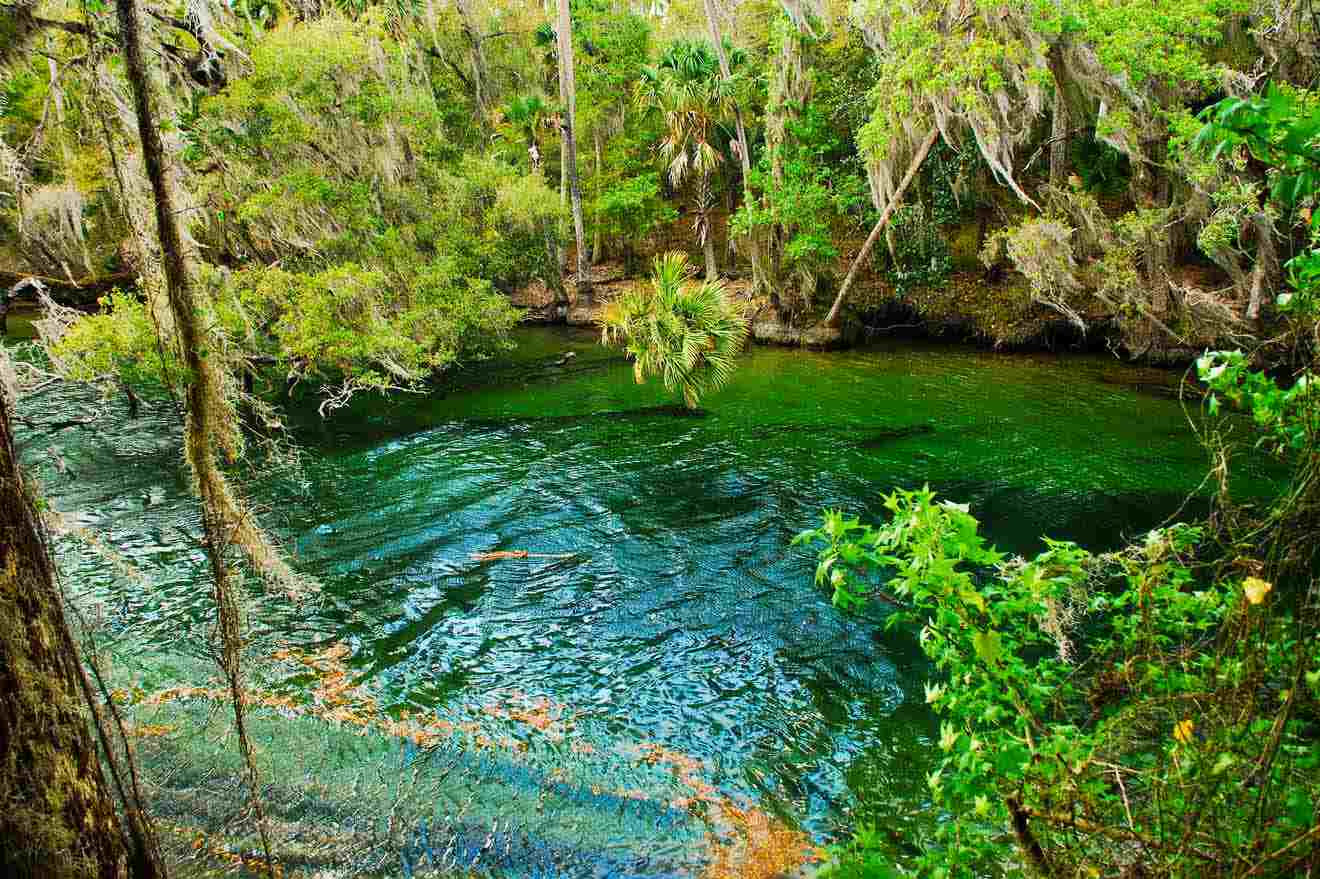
[631, 211]
[1106, 711]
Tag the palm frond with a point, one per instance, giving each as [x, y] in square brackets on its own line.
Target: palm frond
[687, 334]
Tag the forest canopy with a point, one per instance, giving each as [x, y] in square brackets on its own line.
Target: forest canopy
[367, 185]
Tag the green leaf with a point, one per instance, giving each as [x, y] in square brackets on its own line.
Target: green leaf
[974, 598]
[989, 646]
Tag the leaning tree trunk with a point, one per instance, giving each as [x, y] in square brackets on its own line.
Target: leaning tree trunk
[568, 86]
[834, 317]
[58, 819]
[208, 424]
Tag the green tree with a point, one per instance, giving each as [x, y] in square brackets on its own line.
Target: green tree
[631, 211]
[687, 89]
[686, 333]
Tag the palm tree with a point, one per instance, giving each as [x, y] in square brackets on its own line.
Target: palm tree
[568, 95]
[689, 334]
[695, 100]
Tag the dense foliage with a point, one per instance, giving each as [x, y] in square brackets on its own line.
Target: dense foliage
[365, 188]
[1149, 711]
[416, 152]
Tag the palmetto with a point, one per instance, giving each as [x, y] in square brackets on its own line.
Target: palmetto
[695, 101]
[686, 333]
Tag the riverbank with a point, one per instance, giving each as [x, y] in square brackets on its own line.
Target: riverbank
[966, 311]
[969, 309]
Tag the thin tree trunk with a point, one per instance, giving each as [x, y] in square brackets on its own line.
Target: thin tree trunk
[597, 241]
[534, 156]
[206, 404]
[58, 818]
[568, 86]
[704, 230]
[833, 318]
[744, 155]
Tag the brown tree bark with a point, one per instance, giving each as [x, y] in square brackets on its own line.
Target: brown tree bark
[834, 317]
[58, 819]
[568, 87]
[1059, 118]
[597, 238]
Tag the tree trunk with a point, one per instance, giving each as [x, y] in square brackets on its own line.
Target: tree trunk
[1266, 271]
[597, 240]
[833, 318]
[706, 233]
[708, 250]
[208, 420]
[1059, 142]
[744, 156]
[58, 818]
[534, 156]
[568, 85]
[1060, 118]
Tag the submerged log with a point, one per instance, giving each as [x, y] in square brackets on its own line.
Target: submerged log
[500, 555]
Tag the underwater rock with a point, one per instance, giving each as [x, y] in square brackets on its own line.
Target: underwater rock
[876, 439]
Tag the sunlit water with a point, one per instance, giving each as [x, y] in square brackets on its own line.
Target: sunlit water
[679, 613]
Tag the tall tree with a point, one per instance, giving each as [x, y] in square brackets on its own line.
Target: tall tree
[568, 89]
[694, 99]
[210, 424]
[744, 154]
[58, 818]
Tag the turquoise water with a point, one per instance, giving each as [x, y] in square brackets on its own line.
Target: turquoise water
[673, 610]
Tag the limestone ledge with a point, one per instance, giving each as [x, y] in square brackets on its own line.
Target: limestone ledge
[544, 305]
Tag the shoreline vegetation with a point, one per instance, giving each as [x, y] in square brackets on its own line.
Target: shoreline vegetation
[230, 215]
